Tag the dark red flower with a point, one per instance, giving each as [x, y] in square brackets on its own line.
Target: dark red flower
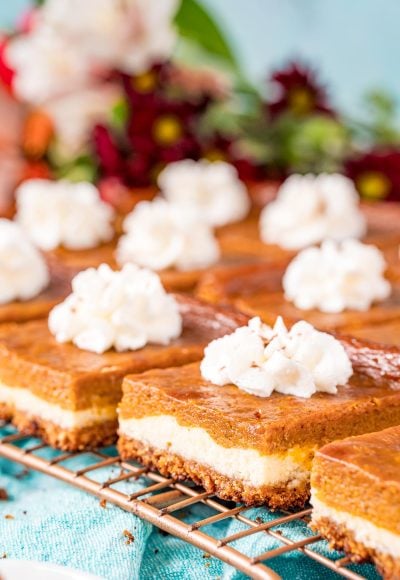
[376, 174]
[298, 92]
[162, 127]
[139, 170]
[138, 87]
[107, 152]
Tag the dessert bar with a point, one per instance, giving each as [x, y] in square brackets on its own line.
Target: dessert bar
[356, 497]
[69, 396]
[40, 306]
[247, 448]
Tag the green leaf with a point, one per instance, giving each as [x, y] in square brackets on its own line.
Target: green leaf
[119, 114]
[195, 23]
[80, 169]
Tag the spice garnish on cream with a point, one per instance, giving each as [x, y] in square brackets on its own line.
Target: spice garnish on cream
[336, 277]
[124, 309]
[259, 360]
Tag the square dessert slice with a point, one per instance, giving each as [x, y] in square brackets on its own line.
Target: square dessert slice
[269, 306]
[79, 259]
[244, 237]
[355, 487]
[173, 280]
[387, 333]
[257, 290]
[39, 307]
[247, 448]
[69, 396]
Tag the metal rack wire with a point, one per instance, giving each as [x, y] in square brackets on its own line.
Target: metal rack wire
[161, 501]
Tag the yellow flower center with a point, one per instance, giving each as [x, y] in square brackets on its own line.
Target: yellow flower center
[167, 130]
[215, 155]
[373, 185]
[145, 82]
[301, 101]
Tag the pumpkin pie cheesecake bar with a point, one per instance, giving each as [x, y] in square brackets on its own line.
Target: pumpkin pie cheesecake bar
[355, 487]
[337, 286]
[308, 209]
[246, 422]
[29, 286]
[39, 306]
[64, 384]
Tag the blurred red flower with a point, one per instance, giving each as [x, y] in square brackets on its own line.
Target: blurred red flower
[161, 127]
[376, 174]
[6, 73]
[298, 91]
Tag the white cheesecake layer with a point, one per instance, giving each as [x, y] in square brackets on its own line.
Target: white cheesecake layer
[163, 432]
[25, 401]
[363, 531]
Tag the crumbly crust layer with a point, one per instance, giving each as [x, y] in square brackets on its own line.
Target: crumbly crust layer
[341, 538]
[171, 465]
[88, 437]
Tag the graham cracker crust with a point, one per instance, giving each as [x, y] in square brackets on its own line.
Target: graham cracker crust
[341, 538]
[88, 437]
[168, 464]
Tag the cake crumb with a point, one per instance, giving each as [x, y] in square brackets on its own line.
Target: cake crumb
[206, 555]
[130, 538]
[3, 494]
[9, 517]
[257, 414]
[3, 556]
[156, 551]
[103, 503]
[259, 520]
[23, 473]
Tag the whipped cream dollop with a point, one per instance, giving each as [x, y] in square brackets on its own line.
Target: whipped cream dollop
[124, 309]
[23, 270]
[312, 208]
[61, 213]
[337, 276]
[160, 235]
[259, 360]
[212, 189]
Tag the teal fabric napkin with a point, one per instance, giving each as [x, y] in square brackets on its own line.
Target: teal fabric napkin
[47, 520]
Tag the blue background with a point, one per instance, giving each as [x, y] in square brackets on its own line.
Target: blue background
[354, 43]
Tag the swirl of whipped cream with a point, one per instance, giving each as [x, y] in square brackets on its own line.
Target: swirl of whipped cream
[337, 276]
[312, 208]
[160, 235]
[124, 309]
[23, 270]
[61, 213]
[259, 360]
[212, 189]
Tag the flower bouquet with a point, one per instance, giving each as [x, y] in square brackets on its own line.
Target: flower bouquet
[112, 91]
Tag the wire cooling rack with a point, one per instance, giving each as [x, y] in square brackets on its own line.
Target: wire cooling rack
[162, 502]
